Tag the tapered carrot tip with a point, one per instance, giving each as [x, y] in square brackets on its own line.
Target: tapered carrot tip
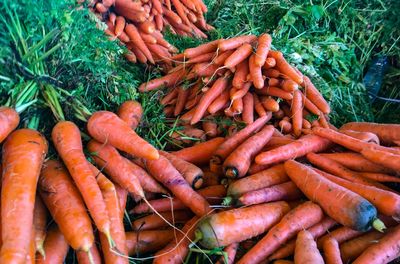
[231, 173]
[379, 225]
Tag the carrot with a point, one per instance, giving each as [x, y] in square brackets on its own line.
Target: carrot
[314, 96]
[285, 68]
[303, 216]
[332, 251]
[270, 104]
[204, 48]
[227, 227]
[387, 133]
[55, 247]
[119, 25]
[172, 16]
[112, 17]
[147, 27]
[147, 240]
[316, 231]
[351, 249]
[180, 10]
[82, 257]
[56, 187]
[213, 194]
[248, 109]
[236, 92]
[170, 177]
[139, 55]
[130, 56]
[177, 249]
[356, 162]
[297, 114]
[210, 128]
[306, 250]
[364, 136]
[148, 39]
[379, 177]
[101, 8]
[230, 251]
[240, 77]
[275, 91]
[183, 94]
[260, 110]
[153, 221]
[200, 153]
[340, 234]
[135, 37]
[281, 192]
[231, 143]
[220, 59]
[202, 58]
[283, 261]
[239, 55]
[269, 63]
[302, 146]
[39, 223]
[237, 106]
[383, 158]
[288, 85]
[31, 257]
[22, 157]
[165, 81]
[350, 210]
[255, 73]
[236, 42]
[172, 94]
[285, 126]
[131, 112]
[387, 203]
[238, 162]
[125, 173]
[107, 127]
[263, 47]
[9, 120]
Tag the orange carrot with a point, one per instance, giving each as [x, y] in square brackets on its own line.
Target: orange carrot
[204, 48]
[67, 141]
[148, 240]
[82, 257]
[340, 234]
[219, 102]
[297, 113]
[119, 25]
[315, 97]
[379, 177]
[22, 157]
[259, 107]
[211, 178]
[147, 27]
[269, 63]
[284, 67]
[107, 127]
[306, 250]
[387, 133]
[230, 251]
[227, 227]
[383, 158]
[210, 128]
[167, 174]
[363, 136]
[236, 42]
[237, 106]
[238, 162]
[303, 216]
[56, 187]
[9, 120]
[255, 73]
[285, 126]
[202, 58]
[270, 104]
[131, 112]
[242, 53]
[220, 59]
[288, 85]
[55, 247]
[302, 146]
[200, 153]
[263, 47]
[248, 109]
[153, 221]
[31, 257]
[139, 55]
[240, 77]
[39, 223]
[183, 94]
[237, 92]
[168, 80]
[275, 91]
[135, 37]
[332, 251]
[350, 210]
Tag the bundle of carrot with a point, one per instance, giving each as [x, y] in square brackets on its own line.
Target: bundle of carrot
[139, 24]
[239, 79]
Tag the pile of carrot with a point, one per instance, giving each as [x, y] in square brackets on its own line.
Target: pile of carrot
[325, 196]
[238, 79]
[140, 24]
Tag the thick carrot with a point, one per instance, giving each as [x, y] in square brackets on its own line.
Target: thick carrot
[258, 106]
[153, 221]
[219, 102]
[284, 67]
[55, 247]
[239, 55]
[202, 58]
[135, 37]
[168, 80]
[39, 223]
[387, 133]
[236, 42]
[238, 162]
[240, 77]
[363, 136]
[255, 73]
[131, 112]
[82, 257]
[303, 216]
[281, 192]
[213, 194]
[340, 234]
[302, 146]
[297, 113]
[201, 153]
[288, 85]
[383, 158]
[169, 176]
[306, 250]
[263, 47]
[270, 104]
[147, 27]
[315, 96]
[220, 59]
[350, 210]
[285, 126]
[9, 120]
[107, 127]
[331, 251]
[177, 249]
[240, 92]
[230, 251]
[218, 87]
[119, 25]
[22, 157]
[248, 109]
[192, 174]
[147, 240]
[204, 48]
[227, 227]
[275, 91]
[65, 204]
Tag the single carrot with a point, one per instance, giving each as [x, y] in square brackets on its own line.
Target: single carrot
[275, 91]
[135, 37]
[230, 251]
[240, 76]
[340, 234]
[387, 133]
[331, 251]
[213, 194]
[315, 96]
[263, 47]
[139, 55]
[154, 221]
[302, 146]
[177, 249]
[201, 153]
[306, 250]
[238, 162]
[269, 63]
[239, 55]
[255, 73]
[107, 127]
[210, 127]
[147, 240]
[303, 216]
[363, 136]
[168, 80]
[202, 58]
[383, 158]
[379, 177]
[147, 27]
[219, 102]
[281, 192]
[204, 48]
[83, 258]
[237, 106]
[285, 68]
[236, 42]
[39, 223]
[350, 210]
[22, 157]
[248, 109]
[260, 110]
[288, 85]
[285, 126]
[9, 120]
[240, 92]
[220, 59]
[227, 227]
[55, 247]
[57, 188]
[172, 15]
[131, 112]
[297, 113]
[167, 174]
[270, 104]
[119, 25]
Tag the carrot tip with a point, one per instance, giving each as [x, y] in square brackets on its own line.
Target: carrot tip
[379, 225]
